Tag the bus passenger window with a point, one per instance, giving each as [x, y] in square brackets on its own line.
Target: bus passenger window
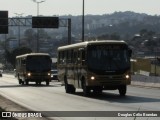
[75, 57]
[83, 55]
[23, 62]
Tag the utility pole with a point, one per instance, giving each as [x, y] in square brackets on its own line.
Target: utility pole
[69, 31]
[83, 22]
[38, 2]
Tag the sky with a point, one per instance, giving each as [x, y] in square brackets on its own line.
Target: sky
[74, 7]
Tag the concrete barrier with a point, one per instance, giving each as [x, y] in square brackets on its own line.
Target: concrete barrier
[147, 81]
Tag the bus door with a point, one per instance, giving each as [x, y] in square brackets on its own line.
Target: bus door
[78, 66]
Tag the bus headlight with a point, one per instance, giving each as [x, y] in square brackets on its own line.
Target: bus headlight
[92, 78]
[29, 74]
[49, 74]
[127, 76]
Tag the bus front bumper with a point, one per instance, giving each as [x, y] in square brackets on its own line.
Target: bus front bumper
[109, 80]
[38, 76]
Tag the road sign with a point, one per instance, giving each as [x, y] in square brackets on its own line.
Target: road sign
[45, 22]
[3, 22]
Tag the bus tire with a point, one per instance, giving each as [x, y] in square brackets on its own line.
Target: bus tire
[69, 88]
[27, 82]
[22, 82]
[122, 90]
[47, 82]
[19, 81]
[86, 89]
[72, 89]
[37, 82]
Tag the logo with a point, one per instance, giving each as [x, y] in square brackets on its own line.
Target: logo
[6, 114]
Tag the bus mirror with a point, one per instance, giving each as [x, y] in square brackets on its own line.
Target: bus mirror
[83, 62]
[130, 52]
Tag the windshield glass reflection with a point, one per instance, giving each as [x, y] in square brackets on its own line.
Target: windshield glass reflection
[108, 58]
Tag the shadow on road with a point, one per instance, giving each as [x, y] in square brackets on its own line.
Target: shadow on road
[30, 85]
[116, 98]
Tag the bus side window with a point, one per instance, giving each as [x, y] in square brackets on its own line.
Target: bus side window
[62, 57]
[83, 57]
[23, 62]
[65, 57]
[130, 52]
[79, 57]
[59, 58]
[69, 56]
[72, 56]
[75, 57]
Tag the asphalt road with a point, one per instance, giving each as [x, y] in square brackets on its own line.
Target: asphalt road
[53, 98]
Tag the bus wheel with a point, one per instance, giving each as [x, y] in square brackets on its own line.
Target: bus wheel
[122, 90]
[27, 82]
[86, 89]
[69, 88]
[22, 82]
[19, 81]
[37, 82]
[47, 82]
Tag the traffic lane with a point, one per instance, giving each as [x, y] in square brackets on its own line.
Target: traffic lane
[111, 97]
[53, 96]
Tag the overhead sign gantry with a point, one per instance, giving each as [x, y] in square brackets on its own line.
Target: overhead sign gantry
[3, 22]
[35, 22]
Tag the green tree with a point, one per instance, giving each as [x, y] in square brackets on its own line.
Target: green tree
[114, 36]
[30, 35]
[11, 56]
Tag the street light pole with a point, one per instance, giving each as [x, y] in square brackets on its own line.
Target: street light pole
[83, 22]
[38, 2]
[38, 6]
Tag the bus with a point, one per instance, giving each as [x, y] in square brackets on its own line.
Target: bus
[33, 67]
[95, 66]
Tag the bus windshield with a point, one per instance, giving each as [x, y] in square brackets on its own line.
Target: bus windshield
[38, 63]
[108, 58]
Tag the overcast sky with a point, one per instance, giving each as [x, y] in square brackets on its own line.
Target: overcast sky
[74, 7]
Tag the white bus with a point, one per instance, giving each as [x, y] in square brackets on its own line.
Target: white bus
[33, 67]
[95, 65]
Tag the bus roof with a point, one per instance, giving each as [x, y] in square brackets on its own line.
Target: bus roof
[32, 54]
[84, 44]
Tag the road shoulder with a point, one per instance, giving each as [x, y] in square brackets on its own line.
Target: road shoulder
[9, 105]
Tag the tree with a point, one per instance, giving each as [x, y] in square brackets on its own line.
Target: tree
[11, 56]
[30, 35]
[103, 37]
[114, 36]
